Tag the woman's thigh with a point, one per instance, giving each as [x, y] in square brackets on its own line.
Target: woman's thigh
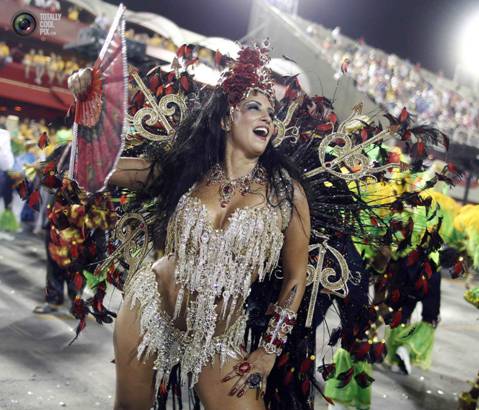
[134, 379]
[214, 394]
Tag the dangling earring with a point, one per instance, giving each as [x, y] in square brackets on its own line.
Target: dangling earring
[226, 126]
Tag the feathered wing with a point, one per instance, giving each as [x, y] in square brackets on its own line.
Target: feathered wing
[359, 190]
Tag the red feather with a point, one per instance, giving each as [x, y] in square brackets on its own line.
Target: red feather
[170, 77]
[43, 140]
[364, 134]
[305, 387]
[34, 200]
[333, 117]
[406, 136]
[191, 62]
[218, 57]
[378, 352]
[418, 150]
[412, 258]
[49, 167]
[290, 93]
[421, 285]
[288, 378]
[78, 281]
[323, 128]
[305, 365]
[283, 359]
[396, 319]
[360, 350]
[51, 181]
[154, 82]
[327, 370]
[458, 269]
[395, 295]
[185, 83]
[181, 51]
[22, 189]
[345, 377]
[159, 91]
[404, 115]
[74, 251]
[428, 269]
[364, 380]
[139, 99]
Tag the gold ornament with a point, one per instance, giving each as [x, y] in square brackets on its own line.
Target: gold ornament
[347, 156]
[317, 275]
[168, 106]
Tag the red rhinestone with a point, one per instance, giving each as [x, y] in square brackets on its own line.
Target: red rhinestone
[244, 367]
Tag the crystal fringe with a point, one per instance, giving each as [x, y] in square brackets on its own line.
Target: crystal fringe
[168, 345]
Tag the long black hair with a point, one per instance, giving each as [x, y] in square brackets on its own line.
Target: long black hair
[199, 144]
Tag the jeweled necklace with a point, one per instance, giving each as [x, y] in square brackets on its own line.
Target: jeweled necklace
[227, 187]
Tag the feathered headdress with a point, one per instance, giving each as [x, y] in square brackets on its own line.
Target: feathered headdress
[249, 72]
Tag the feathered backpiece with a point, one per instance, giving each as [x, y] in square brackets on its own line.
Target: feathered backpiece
[341, 160]
[159, 103]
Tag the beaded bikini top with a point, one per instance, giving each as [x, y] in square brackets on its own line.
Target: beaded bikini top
[219, 263]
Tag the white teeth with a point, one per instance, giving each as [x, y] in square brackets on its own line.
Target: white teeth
[261, 131]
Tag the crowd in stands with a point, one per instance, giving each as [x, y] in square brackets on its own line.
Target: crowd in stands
[42, 68]
[5, 56]
[49, 69]
[53, 6]
[394, 83]
[151, 40]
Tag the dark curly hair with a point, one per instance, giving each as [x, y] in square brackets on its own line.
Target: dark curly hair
[200, 144]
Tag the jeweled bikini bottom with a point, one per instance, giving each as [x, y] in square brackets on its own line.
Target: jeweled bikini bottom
[169, 345]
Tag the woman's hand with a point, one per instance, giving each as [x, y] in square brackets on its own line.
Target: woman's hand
[251, 373]
[79, 82]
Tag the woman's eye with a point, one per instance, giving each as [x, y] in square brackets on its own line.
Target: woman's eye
[253, 107]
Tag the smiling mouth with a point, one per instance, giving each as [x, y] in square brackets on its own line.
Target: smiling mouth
[261, 132]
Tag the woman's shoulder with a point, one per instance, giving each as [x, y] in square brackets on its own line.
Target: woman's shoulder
[288, 185]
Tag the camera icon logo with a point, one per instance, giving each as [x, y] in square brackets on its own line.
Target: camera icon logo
[24, 23]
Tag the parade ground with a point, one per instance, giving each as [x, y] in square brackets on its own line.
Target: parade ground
[39, 370]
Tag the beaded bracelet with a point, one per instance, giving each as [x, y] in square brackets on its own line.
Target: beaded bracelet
[279, 326]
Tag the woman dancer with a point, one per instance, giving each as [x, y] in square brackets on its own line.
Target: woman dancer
[229, 206]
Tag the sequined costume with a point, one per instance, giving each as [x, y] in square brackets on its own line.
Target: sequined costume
[212, 264]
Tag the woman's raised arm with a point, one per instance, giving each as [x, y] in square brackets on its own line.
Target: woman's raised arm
[131, 173]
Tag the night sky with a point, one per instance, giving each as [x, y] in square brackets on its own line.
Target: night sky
[423, 31]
